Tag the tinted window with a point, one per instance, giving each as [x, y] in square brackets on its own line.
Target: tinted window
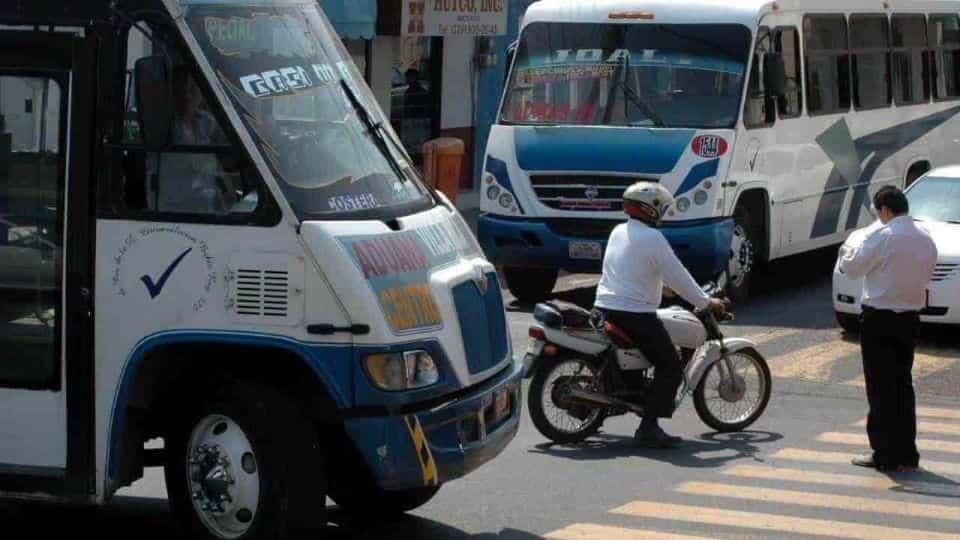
[828, 64]
[910, 62]
[870, 44]
[787, 45]
[945, 42]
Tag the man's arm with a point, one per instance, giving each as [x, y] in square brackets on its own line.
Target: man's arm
[676, 277]
[864, 259]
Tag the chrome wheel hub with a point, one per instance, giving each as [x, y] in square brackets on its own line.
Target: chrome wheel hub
[741, 256]
[732, 389]
[223, 477]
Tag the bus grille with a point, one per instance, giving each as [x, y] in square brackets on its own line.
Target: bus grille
[945, 271]
[483, 325]
[582, 193]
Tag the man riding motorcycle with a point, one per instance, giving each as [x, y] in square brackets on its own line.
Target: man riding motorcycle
[637, 264]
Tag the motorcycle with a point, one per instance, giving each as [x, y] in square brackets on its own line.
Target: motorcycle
[585, 369]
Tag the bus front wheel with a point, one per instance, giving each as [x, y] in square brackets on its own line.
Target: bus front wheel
[245, 464]
[743, 255]
[530, 285]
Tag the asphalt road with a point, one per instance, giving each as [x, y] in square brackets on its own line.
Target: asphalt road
[786, 478]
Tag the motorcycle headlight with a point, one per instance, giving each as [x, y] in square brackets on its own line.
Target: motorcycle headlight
[402, 371]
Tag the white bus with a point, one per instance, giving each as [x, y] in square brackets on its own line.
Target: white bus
[216, 258]
[772, 122]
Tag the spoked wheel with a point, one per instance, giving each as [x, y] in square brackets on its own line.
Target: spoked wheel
[734, 392]
[555, 414]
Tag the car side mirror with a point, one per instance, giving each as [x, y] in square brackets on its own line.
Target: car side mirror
[154, 101]
[774, 76]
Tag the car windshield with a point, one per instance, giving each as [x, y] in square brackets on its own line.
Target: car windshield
[651, 75]
[935, 199]
[307, 107]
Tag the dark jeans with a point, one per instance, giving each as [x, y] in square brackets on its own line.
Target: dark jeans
[654, 342]
[887, 344]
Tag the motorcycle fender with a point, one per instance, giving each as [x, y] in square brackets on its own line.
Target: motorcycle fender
[710, 355]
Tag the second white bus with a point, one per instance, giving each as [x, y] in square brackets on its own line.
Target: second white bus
[771, 122]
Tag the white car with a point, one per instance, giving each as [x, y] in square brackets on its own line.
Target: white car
[935, 205]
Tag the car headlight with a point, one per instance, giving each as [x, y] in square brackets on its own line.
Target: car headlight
[683, 204]
[402, 371]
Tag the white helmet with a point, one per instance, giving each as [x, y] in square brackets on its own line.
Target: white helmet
[647, 201]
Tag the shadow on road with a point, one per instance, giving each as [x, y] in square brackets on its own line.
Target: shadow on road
[925, 483]
[709, 450]
[151, 519]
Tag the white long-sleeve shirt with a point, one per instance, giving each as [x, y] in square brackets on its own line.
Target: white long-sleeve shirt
[637, 264]
[896, 262]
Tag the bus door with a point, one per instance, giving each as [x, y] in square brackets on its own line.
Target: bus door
[46, 135]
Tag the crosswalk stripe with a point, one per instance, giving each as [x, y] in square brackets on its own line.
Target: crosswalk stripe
[797, 454]
[935, 412]
[874, 481]
[820, 500]
[587, 531]
[771, 522]
[812, 362]
[857, 439]
[939, 428]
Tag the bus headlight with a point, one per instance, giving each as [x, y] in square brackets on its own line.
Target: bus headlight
[700, 197]
[402, 371]
[683, 204]
[506, 200]
[493, 192]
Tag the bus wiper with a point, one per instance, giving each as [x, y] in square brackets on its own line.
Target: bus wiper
[375, 128]
[623, 73]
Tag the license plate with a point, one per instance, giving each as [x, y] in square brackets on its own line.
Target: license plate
[591, 251]
[501, 404]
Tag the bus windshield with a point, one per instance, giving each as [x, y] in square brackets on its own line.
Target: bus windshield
[645, 75]
[307, 107]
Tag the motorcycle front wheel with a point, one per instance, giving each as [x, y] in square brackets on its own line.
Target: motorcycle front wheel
[554, 414]
[731, 397]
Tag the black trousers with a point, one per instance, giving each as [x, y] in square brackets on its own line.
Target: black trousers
[887, 343]
[654, 342]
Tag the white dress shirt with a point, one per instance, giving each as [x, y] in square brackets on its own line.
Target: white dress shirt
[896, 262]
[637, 264]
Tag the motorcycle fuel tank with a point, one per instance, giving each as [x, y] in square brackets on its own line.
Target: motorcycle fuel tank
[685, 329]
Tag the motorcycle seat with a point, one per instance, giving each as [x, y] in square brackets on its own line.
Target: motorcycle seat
[618, 336]
[572, 315]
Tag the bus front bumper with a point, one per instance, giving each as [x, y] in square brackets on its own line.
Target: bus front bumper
[702, 245]
[441, 442]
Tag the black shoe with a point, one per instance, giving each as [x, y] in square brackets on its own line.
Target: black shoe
[655, 438]
[868, 461]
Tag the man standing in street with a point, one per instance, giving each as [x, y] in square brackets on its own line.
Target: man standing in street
[896, 262]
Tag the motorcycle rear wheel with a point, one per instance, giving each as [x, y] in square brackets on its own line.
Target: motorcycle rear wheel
[713, 409]
[558, 424]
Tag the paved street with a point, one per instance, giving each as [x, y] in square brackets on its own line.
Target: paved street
[788, 477]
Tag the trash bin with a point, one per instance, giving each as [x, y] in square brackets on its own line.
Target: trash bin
[442, 161]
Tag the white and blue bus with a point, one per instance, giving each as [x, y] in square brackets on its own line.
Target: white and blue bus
[217, 259]
[771, 122]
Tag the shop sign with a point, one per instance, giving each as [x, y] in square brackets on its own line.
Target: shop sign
[454, 17]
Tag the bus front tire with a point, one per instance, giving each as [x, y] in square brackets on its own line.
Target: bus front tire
[743, 255]
[246, 464]
[530, 285]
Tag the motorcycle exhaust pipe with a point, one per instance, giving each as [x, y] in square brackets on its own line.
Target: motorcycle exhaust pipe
[605, 400]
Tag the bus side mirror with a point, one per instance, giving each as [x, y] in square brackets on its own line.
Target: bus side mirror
[154, 101]
[511, 53]
[774, 76]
